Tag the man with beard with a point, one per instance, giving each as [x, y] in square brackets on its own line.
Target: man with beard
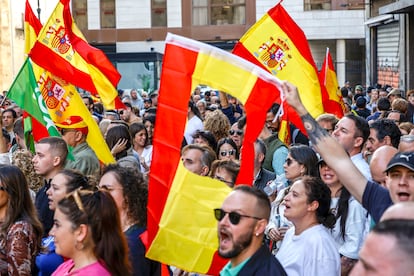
[242, 220]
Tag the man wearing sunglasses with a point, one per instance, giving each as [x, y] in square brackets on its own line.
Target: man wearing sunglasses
[242, 220]
[74, 131]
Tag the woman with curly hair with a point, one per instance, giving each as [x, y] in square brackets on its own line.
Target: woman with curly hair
[130, 191]
[23, 160]
[217, 123]
[20, 229]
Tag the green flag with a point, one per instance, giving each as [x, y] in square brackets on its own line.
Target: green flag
[25, 93]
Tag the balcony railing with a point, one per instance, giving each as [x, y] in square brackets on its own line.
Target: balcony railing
[311, 5]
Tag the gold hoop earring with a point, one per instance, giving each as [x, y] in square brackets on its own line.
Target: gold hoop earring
[79, 245]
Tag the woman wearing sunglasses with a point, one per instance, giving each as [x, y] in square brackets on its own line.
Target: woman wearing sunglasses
[62, 184]
[227, 149]
[87, 232]
[20, 229]
[301, 160]
[308, 248]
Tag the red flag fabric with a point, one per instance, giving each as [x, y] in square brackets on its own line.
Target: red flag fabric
[182, 230]
[333, 103]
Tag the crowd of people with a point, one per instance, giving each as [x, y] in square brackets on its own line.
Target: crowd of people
[318, 206]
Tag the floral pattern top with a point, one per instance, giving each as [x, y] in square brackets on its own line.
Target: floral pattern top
[18, 249]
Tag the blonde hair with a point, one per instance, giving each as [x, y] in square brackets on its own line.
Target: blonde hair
[217, 123]
[23, 159]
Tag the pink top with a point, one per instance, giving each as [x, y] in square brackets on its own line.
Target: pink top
[96, 268]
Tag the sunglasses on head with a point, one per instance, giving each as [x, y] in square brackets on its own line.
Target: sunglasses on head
[237, 132]
[229, 152]
[234, 217]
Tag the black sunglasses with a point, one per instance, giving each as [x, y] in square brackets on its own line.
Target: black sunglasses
[229, 152]
[234, 217]
[238, 132]
[289, 161]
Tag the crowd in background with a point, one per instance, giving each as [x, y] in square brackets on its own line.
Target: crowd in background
[60, 215]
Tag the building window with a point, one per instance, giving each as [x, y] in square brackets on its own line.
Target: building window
[80, 14]
[108, 14]
[158, 13]
[218, 12]
[310, 5]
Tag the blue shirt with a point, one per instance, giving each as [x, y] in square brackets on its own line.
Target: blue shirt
[48, 261]
[376, 199]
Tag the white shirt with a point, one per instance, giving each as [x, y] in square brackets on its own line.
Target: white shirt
[362, 165]
[193, 125]
[355, 224]
[313, 252]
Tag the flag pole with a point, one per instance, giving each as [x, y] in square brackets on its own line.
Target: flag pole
[38, 9]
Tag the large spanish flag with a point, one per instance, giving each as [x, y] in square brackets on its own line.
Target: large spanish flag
[327, 75]
[182, 230]
[62, 50]
[278, 45]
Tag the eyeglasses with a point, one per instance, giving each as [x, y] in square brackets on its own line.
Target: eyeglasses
[229, 152]
[234, 217]
[237, 132]
[223, 180]
[289, 161]
[63, 131]
[108, 188]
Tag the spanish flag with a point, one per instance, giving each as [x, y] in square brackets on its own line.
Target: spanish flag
[182, 230]
[334, 103]
[49, 99]
[62, 50]
[277, 44]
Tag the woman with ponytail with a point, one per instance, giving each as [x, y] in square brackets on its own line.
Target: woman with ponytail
[350, 229]
[308, 248]
[87, 231]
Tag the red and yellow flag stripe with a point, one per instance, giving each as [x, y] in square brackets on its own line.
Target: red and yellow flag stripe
[181, 225]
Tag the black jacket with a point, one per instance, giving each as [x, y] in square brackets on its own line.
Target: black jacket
[262, 263]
